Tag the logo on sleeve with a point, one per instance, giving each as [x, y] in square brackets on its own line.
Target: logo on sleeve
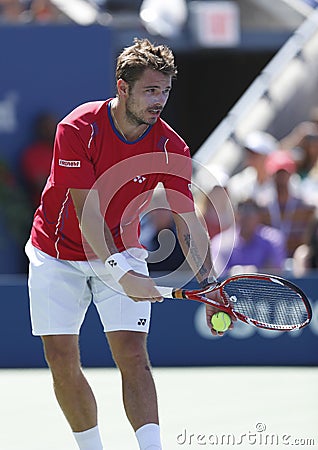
[67, 163]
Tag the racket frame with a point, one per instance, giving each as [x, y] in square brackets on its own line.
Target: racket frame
[199, 295]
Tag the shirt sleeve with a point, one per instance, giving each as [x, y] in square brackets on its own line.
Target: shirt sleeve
[177, 183]
[72, 165]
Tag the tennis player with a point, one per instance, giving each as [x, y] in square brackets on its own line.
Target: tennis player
[108, 158]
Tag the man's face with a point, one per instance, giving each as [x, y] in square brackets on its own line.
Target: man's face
[147, 97]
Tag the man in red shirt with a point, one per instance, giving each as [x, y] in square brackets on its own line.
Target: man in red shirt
[108, 158]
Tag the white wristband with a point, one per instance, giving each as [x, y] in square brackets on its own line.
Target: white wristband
[117, 266]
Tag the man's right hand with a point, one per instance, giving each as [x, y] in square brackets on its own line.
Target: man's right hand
[140, 287]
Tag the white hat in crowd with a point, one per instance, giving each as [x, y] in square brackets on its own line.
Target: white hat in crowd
[260, 142]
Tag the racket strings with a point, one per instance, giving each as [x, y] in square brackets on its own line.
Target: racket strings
[272, 304]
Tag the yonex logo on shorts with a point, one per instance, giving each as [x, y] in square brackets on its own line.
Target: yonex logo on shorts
[142, 322]
[67, 163]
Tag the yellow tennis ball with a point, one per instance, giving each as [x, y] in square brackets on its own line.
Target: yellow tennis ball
[220, 321]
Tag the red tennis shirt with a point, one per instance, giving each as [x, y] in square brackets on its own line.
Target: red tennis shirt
[89, 153]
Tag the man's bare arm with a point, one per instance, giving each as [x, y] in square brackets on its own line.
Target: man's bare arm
[92, 223]
[195, 245]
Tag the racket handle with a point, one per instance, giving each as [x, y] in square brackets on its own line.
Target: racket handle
[165, 291]
[169, 292]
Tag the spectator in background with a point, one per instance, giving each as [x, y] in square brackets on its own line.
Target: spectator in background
[37, 157]
[43, 11]
[216, 207]
[297, 137]
[250, 246]
[305, 258]
[25, 11]
[253, 181]
[11, 11]
[306, 155]
[286, 211]
[306, 159]
[302, 142]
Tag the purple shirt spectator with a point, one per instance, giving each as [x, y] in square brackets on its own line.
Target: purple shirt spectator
[249, 243]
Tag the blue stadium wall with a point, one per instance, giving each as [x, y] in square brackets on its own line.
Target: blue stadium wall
[46, 69]
[51, 68]
[178, 336]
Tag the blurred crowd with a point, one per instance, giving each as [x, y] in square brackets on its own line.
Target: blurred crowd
[25, 11]
[164, 18]
[274, 202]
[261, 218]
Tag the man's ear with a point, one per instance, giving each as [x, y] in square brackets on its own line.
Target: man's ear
[122, 87]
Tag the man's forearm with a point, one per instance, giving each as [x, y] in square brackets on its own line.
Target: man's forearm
[98, 236]
[195, 245]
[92, 224]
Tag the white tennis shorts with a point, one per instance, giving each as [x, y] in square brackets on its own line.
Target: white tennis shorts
[61, 291]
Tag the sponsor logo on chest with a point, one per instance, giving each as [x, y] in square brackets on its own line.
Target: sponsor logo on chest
[68, 163]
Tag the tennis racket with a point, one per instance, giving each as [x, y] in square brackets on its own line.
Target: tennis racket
[265, 301]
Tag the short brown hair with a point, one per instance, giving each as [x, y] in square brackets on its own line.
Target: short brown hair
[133, 60]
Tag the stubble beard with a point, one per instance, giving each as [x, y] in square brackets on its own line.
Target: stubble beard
[134, 118]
